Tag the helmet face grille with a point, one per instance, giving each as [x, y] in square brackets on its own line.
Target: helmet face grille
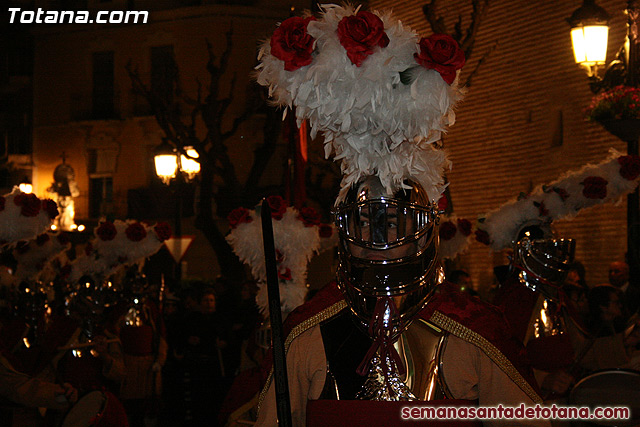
[384, 224]
[388, 248]
[545, 263]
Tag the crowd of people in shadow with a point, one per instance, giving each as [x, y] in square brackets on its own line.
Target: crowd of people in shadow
[597, 328]
[172, 361]
[140, 359]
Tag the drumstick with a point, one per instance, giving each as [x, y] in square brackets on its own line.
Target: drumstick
[85, 344]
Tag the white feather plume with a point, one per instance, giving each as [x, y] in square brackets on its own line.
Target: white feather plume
[371, 121]
[34, 257]
[562, 198]
[14, 226]
[296, 242]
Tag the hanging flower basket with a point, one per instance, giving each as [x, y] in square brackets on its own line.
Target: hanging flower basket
[625, 129]
[618, 111]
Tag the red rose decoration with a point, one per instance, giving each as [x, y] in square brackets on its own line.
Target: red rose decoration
[359, 34]
[564, 195]
[441, 52]
[29, 204]
[50, 207]
[309, 216]
[325, 231]
[163, 231]
[285, 274]
[292, 44]
[447, 230]
[106, 231]
[63, 238]
[278, 206]
[239, 216]
[483, 237]
[542, 209]
[2, 201]
[595, 187]
[42, 239]
[464, 225]
[443, 203]
[629, 166]
[135, 232]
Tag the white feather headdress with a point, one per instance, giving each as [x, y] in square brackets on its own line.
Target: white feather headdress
[380, 116]
[118, 244]
[604, 182]
[23, 216]
[34, 256]
[298, 236]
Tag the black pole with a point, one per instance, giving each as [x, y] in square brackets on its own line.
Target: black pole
[178, 227]
[633, 79]
[633, 227]
[280, 379]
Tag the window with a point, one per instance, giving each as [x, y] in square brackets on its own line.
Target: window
[163, 72]
[103, 85]
[100, 197]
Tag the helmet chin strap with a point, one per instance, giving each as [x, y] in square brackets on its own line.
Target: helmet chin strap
[381, 328]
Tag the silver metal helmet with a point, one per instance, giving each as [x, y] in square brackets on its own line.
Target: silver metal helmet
[388, 249]
[544, 261]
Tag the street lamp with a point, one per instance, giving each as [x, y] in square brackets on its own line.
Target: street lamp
[589, 21]
[25, 185]
[589, 34]
[176, 168]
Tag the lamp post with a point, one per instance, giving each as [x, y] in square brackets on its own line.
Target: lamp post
[176, 168]
[589, 30]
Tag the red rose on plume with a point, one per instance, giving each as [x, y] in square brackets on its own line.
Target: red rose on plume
[464, 225]
[239, 216]
[63, 238]
[50, 207]
[359, 34]
[309, 216]
[595, 187]
[629, 166]
[483, 237]
[292, 44]
[443, 203]
[325, 231]
[441, 52]
[564, 195]
[447, 230]
[29, 204]
[279, 257]
[285, 274]
[42, 239]
[163, 230]
[106, 231]
[135, 232]
[2, 201]
[542, 209]
[278, 206]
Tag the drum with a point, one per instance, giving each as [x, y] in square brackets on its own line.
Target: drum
[609, 388]
[97, 409]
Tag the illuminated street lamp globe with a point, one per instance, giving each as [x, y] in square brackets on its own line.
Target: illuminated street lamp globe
[166, 162]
